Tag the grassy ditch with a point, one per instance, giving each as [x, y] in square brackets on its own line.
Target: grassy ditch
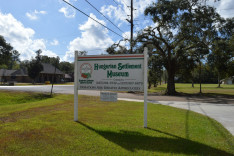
[46, 127]
[13, 98]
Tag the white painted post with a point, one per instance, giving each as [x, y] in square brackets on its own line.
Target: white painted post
[76, 87]
[145, 84]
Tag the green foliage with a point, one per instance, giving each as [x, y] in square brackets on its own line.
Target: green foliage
[182, 35]
[155, 70]
[231, 63]
[35, 67]
[117, 49]
[50, 60]
[3, 66]
[66, 67]
[220, 57]
[231, 43]
[222, 53]
[113, 128]
[5, 51]
[8, 56]
[231, 68]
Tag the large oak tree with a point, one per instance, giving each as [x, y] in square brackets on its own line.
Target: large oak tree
[183, 32]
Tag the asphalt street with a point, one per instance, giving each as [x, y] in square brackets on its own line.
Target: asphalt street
[218, 108]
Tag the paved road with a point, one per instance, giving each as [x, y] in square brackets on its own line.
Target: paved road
[218, 108]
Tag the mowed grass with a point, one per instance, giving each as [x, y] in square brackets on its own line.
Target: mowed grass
[12, 98]
[46, 127]
[211, 89]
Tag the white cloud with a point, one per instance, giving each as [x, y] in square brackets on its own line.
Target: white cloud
[93, 36]
[54, 42]
[115, 12]
[31, 16]
[225, 8]
[21, 38]
[40, 12]
[68, 12]
[34, 15]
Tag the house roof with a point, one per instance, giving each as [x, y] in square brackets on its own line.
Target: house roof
[228, 78]
[50, 69]
[20, 72]
[47, 69]
[5, 72]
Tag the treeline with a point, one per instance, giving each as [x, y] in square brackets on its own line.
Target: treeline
[9, 59]
[64, 66]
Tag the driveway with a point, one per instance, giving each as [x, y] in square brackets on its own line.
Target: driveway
[218, 108]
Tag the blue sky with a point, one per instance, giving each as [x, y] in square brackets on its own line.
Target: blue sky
[58, 29]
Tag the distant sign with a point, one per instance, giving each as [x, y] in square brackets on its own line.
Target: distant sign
[108, 96]
[111, 72]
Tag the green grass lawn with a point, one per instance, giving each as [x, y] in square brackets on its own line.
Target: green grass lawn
[206, 89]
[45, 126]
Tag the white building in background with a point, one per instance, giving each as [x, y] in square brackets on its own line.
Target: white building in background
[228, 80]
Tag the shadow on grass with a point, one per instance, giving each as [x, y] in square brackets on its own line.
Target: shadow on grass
[132, 140]
[33, 97]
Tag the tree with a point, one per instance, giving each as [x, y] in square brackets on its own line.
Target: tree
[82, 53]
[23, 64]
[231, 46]
[8, 56]
[181, 28]
[55, 67]
[231, 43]
[50, 60]
[35, 67]
[66, 67]
[116, 48]
[155, 70]
[219, 58]
[222, 49]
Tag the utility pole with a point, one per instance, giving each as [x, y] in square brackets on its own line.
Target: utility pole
[131, 40]
[131, 22]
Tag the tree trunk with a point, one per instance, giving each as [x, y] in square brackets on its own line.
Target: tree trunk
[200, 77]
[155, 84]
[171, 69]
[51, 92]
[160, 78]
[218, 80]
[149, 85]
[171, 83]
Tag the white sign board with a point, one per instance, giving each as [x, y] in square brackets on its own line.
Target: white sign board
[108, 96]
[111, 72]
